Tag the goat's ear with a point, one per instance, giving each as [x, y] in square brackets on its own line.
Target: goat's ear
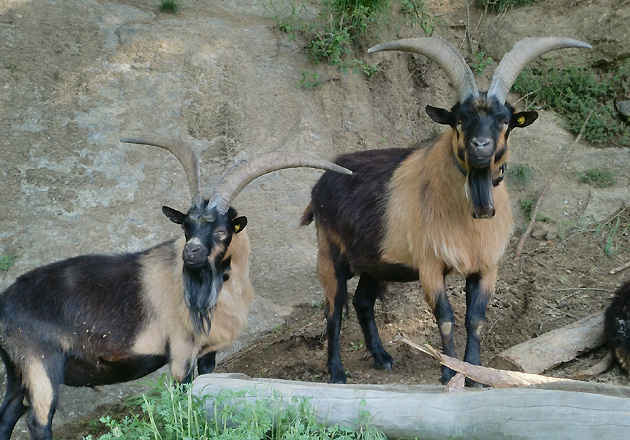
[174, 215]
[523, 119]
[239, 223]
[440, 115]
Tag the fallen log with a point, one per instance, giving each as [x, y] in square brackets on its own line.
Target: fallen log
[553, 348]
[426, 412]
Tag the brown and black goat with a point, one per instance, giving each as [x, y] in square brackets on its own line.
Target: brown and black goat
[617, 326]
[97, 319]
[419, 213]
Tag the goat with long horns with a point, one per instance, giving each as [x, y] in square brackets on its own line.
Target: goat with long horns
[423, 212]
[98, 319]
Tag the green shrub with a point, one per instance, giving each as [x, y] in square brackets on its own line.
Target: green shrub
[172, 411]
[574, 92]
[168, 6]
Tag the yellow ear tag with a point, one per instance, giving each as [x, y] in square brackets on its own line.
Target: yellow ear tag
[237, 227]
[521, 120]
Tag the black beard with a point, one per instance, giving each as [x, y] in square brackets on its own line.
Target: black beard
[480, 184]
[201, 290]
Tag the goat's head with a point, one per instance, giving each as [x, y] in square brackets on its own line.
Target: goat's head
[210, 224]
[481, 122]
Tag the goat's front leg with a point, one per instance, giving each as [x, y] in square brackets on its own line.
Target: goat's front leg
[479, 290]
[207, 363]
[432, 277]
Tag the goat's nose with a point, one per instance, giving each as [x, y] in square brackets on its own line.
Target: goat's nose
[482, 146]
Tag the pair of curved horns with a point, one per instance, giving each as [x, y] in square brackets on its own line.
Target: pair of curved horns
[240, 175]
[445, 55]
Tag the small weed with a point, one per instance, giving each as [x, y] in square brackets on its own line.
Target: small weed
[520, 175]
[599, 178]
[168, 6]
[309, 79]
[502, 5]
[416, 10]
[6, 261]
[526, 206]
[357, 345]
[480, 62]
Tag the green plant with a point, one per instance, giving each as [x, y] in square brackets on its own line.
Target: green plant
[330, 37]
[171, 411]
[6, 261]
[309, 79]
[574, 92]
[416, 10]
[502, 5]
[168, 6]
[479, 62]
[519, 175]
[526, 206]
[599, 178]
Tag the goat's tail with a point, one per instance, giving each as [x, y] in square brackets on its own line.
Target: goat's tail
[307, 217]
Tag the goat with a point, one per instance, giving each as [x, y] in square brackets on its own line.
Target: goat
[617, 326]
[416, 213]
[95, 320]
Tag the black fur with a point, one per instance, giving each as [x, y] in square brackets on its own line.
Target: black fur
[617, 325]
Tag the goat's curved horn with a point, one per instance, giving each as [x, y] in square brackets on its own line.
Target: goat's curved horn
[243, 172]
[522, 54]
[445, 55]
[184, 154]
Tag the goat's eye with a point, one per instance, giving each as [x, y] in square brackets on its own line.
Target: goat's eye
[220, 233]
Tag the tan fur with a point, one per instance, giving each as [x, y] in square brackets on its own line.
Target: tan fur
[170, 325]
[434, 228]
[326, 270]
[39, 388]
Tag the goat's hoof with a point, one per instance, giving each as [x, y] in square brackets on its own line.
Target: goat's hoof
[384, 366]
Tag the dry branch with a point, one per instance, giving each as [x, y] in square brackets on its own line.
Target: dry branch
[534, 215]
[487, 376]
[553, 348]
[620, 268]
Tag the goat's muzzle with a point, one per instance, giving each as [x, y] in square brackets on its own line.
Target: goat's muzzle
[480, 186]
[195, 253]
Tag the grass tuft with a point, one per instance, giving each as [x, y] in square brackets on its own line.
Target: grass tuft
[168, 6]
[600, 178]
[6, 261]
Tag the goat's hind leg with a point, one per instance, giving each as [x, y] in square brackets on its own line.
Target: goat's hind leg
[42, 384]
[333, 276]
[368, 290]
[207, 363]
[13, 406]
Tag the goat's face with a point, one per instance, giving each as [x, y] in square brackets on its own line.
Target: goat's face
[481, 127]
[208, 234]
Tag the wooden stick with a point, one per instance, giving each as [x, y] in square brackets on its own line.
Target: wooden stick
[620, 268]
[519, 248]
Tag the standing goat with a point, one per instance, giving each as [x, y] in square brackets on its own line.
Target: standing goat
[96, 319]
[422, 212]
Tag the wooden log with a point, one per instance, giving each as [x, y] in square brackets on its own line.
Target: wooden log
[428, 413]
[553, 348]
